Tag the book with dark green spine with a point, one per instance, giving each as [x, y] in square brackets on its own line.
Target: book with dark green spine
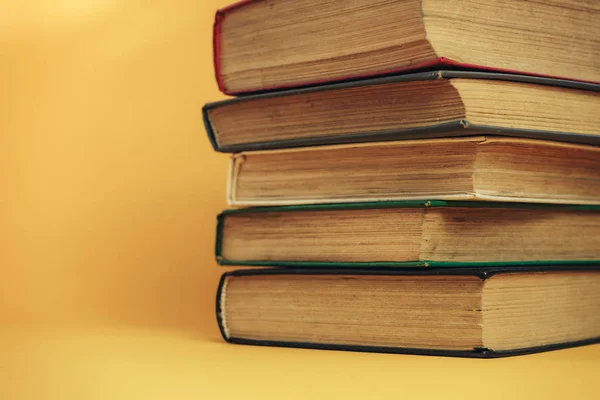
[410, 234]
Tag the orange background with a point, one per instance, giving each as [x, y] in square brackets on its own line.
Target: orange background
[109, 192]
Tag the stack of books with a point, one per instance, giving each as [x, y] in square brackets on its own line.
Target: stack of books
[416, 176]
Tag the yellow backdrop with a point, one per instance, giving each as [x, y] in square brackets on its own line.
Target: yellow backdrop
[109, 192]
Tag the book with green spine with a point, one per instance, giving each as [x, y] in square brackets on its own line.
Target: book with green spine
[410, 234]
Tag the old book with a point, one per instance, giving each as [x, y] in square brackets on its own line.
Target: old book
[266, 45]
[422, 105]
[409, 234]
[471, 168]
[452, 312]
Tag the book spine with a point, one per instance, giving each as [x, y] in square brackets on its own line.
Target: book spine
[217, 42]
[209, 129]
[235, 164]
[217, 50]
[219, 238]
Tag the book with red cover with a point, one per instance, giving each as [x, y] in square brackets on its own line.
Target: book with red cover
[546, 39]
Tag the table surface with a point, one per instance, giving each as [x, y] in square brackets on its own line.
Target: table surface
[149, 363]
[110, 190]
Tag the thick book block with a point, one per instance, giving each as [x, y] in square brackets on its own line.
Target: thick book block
[480, 312]
[422, 105]
[267, 45]
[409, 234]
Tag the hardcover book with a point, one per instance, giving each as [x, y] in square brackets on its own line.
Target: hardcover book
[265, 45]
[470, 168]
[410, 234]
[452, 312]
[422, 105]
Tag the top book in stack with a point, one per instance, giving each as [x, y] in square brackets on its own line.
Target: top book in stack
[264, 45]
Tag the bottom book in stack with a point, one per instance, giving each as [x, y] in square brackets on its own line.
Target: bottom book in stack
[475, 312]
